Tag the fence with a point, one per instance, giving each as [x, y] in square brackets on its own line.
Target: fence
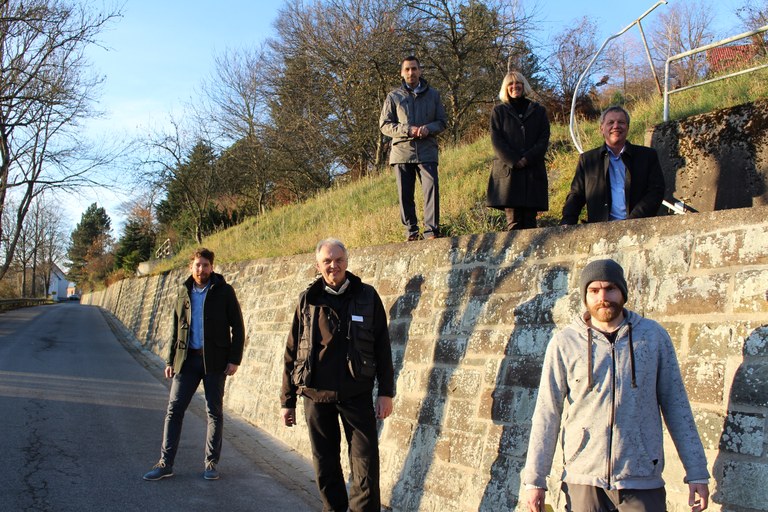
[683, 55]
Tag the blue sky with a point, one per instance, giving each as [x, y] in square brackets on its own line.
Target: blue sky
[160, 51]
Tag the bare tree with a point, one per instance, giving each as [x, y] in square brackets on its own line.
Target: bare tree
[234, 108]
[683, 27]
[465, 46]
[753, 13]
[45, 91]
[335, 60]
[574, 48]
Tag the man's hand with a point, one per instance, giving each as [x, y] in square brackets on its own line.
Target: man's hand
[383, 407]
[697, 505]
[231, 369]
[289, 416]
[535, 499]
[423, 132]
[169, 372]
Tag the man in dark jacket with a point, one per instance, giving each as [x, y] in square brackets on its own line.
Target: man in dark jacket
[412, 116]
[618, 180]
[337, 347]
[208, 345]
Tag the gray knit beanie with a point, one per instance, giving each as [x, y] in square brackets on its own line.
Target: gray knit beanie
[602, 270]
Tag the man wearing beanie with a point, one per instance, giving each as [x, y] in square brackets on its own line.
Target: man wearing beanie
[606, 380]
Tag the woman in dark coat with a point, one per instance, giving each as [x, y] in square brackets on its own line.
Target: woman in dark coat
[520, 137]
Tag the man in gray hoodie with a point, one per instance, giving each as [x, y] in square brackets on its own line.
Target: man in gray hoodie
[413, 115]
[607, 380]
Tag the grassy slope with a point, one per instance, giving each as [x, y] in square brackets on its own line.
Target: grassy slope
[365, 212]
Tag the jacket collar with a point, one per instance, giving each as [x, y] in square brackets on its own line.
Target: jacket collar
[419, 89]
[216, 279]
[316, 289]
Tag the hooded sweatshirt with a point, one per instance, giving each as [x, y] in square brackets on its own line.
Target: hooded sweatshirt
[610, 406]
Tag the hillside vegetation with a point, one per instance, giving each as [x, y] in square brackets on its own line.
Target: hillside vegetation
[365, 212]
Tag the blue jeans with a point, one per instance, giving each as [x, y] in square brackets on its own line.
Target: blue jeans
[183, 388]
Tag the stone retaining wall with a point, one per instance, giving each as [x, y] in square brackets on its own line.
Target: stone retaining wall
[470, 318]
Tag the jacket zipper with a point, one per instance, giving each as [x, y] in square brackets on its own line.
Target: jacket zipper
[613, 413]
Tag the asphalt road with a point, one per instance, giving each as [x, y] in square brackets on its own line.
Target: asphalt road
[81, 420]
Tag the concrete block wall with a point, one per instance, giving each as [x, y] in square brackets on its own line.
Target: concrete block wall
[470, 318]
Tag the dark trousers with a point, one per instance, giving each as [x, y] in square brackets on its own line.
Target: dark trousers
[406, 175]
[586, 498]
[183, 388]
[359, 421]
[520, 218]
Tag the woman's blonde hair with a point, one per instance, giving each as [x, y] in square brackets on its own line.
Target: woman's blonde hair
[514, 76]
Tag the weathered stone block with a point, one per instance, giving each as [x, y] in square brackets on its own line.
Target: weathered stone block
[718, 250]
[461, 448]
[675, 330]
[487, 342]
[522, 372]
[690, 295]
[712, 340]
[749, 292]
[450, 351]
[750, 384]
[704, 379]
[756, 341]
[461, 415]
[744, 433]
[743, 484]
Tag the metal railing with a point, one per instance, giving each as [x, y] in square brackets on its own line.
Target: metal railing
[9, 304]
[164, 251]
[679, 56]
[574, 133]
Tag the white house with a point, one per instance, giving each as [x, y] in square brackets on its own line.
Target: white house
[57, 290]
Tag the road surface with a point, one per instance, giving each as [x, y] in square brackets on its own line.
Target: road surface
[81, 420]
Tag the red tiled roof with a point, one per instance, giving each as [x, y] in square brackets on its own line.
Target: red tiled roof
[727, 57]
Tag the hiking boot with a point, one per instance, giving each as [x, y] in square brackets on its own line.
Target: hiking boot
[210, 473]
[159, 471]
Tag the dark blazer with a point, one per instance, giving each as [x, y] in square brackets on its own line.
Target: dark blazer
[643, 186]
[223, 328]
[513, 138]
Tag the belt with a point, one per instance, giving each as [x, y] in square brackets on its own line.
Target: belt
[196, 351]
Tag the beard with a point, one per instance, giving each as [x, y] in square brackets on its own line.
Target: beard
[605, 311]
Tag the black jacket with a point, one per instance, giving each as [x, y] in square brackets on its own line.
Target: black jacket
[514, 138]
[337, 345]
[223, 329]
[643, 185]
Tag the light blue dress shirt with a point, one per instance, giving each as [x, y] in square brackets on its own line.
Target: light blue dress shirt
[617, 173]
[196, 324]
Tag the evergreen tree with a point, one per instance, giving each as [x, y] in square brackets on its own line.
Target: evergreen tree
[90, 244]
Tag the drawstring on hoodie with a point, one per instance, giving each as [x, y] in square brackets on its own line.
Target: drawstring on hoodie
[590, 382]
[590, 364]
[632, 356]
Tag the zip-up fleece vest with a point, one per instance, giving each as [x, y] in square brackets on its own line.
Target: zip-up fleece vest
[361, 358]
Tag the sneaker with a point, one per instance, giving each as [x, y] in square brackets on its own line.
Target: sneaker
[159, 471]
[413, 237]
[210, 473]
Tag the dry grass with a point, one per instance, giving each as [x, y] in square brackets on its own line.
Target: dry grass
[365, 212]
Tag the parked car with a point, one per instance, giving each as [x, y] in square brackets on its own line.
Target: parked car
[74, 296]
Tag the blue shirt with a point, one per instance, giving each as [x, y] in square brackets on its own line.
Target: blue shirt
[617, 172]
[196, 323]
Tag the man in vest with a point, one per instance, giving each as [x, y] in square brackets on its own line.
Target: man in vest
[338, 346]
